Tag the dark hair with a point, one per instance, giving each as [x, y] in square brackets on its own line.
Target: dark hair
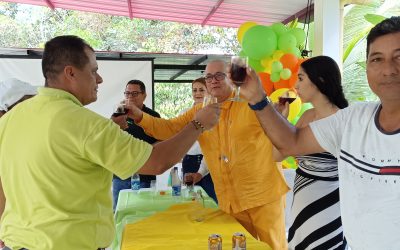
[324, 73]
[387, 26]
[62, 51]
[138, 82]
[201, 80]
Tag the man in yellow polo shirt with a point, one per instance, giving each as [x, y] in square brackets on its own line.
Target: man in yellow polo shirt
[57, 157]
[248, 183]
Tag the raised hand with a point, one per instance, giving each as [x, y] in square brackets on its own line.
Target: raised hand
[208, 116]
[121, 121]
[134, 112]
[196, 177]
[282, 108]
[251, 89]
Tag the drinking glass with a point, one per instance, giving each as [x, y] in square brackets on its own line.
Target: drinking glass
[153, 187]
[120, 109]
[239, 65]
[188, 180]
[287, 96]
[209, 99]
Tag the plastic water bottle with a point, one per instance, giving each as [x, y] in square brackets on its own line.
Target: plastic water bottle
[176, 183]
[135, 182]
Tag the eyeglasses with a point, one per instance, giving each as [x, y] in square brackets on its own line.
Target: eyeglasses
[219, 76]
[132, 93]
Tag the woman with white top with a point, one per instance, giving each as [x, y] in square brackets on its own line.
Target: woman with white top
[193, 162]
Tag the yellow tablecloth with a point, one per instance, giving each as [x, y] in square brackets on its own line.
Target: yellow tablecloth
[176, 229]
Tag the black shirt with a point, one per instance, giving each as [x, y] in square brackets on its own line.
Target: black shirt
[138, 132]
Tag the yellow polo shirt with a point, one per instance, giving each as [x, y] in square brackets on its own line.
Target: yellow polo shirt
[238, 155]
[56, 164]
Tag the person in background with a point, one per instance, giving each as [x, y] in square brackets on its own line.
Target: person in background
[248, 183]
[57, 157]
[363, 137]
[193, 163]
[135, 91]
[12, 92]
[315, 212]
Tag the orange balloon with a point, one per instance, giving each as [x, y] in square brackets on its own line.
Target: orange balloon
[281, 84]
[266, 82]
[301, 60]
[289, 61]
[292, 80]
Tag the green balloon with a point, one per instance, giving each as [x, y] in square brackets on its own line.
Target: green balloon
[259, 42]
[279, 28]
[241, 53]
[304, 107]
[295, 120]
[275, 77]
[276, 67]
[287, 40]
[293, 50]
[285, 74]
[256, 65]
[299, 34]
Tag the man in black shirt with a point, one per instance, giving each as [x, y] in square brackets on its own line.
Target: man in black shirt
[135, 92]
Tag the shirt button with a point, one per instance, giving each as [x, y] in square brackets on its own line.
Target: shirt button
[225, 159]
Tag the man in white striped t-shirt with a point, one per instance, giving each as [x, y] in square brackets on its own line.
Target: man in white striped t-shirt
[364, 137]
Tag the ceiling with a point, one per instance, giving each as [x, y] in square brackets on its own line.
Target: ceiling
[179, 67]
[169, 68]
[226, 13]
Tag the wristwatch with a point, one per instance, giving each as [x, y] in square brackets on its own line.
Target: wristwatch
[261, 104]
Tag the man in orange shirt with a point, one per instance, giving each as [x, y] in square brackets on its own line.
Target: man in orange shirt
[248, 183]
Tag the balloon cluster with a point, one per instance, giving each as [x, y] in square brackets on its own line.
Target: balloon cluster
[274, 53]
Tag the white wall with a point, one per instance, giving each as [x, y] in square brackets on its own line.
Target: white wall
[115, 76]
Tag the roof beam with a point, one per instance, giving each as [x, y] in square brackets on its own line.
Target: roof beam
[130, 9]
[301, 14]
[179, 67]
[193, 62]
[172, 81]
[213, 10]
[49, 4]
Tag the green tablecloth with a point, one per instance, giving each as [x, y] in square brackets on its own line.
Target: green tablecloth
[133, 206]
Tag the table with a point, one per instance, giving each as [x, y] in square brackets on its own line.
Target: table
[134, 206]
[176, 229]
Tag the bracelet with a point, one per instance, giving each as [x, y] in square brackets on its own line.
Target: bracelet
[198, 125]
[261, 104]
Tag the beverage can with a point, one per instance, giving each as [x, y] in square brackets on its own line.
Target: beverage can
[214, 242]
[238, 241]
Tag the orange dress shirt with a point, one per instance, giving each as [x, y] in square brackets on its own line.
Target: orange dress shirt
[237, 152]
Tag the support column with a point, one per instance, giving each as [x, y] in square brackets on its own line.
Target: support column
[328, 33]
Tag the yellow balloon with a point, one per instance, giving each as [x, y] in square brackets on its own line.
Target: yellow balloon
[277, 55]
[243, 28]
[294, 107]
[266, 61]
[277, 93]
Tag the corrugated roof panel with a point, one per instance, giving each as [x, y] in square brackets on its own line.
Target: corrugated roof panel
[229, 13]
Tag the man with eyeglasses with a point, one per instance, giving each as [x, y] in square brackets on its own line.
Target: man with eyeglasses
[248, 183]
[135, 92]
[57, 157]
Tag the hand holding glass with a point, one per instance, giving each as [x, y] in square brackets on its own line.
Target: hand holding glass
[288, 96]
[120, 109]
